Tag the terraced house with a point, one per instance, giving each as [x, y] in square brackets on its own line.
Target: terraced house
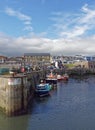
[37, 58]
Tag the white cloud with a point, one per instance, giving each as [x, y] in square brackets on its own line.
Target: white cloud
[19, 15]
[89, 15]
[27, 22]
[28, 28]
[74, 24]
[25, 18]
[19, 46]
[77, 31]
[72, 40]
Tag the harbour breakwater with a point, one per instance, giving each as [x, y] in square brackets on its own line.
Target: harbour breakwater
[17, 90]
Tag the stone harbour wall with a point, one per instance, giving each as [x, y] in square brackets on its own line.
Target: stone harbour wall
[16, 92]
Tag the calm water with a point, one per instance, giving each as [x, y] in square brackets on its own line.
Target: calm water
[71, 106]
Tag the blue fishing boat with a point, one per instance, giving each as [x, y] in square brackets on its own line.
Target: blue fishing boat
[42, 89]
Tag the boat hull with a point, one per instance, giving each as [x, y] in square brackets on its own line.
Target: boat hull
[42, 89]
[42, 93]
[63, 78]
[51, 81]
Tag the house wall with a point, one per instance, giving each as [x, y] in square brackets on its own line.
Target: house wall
[37, 59]
[86, 64]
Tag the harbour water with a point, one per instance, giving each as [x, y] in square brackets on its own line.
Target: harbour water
[70, 106]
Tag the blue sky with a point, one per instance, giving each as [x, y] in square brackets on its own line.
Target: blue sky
[60, 27]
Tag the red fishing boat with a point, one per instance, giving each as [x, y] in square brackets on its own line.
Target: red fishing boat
[64, 77]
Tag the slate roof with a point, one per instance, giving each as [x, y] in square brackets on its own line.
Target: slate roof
[36, 54]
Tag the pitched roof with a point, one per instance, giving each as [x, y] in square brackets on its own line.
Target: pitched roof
[36, 54]
[4, 57]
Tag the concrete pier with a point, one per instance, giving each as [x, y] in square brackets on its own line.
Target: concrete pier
[16, 91]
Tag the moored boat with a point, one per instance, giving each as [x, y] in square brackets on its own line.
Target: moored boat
[60, 77]
[42, 89]
[51, 79]
[64, 77]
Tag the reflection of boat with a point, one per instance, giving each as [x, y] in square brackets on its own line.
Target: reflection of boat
[51, 78]
[42, 89]
[42, 98]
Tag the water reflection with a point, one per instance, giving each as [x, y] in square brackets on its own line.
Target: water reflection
[39, 105]
[71, 106]
[13, 123]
